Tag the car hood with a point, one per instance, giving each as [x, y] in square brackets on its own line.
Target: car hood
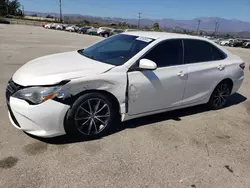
[53, 69]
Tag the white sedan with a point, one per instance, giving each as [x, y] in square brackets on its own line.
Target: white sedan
[126, 76]
[70, 28]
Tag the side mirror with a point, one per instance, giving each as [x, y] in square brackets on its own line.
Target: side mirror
[147, 64]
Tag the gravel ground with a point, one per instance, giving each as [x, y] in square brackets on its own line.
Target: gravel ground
[185, 148]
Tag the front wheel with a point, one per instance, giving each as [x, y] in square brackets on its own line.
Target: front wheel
[220, 96]
[92, 115]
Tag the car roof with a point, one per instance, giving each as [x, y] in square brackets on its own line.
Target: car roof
[163, 35]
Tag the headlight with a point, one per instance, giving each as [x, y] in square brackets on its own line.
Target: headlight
[37, 95]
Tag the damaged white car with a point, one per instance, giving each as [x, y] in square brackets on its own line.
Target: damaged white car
[123, 77]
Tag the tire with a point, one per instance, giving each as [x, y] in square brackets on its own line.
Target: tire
[81, 122]
[220, 95]
[106, 35]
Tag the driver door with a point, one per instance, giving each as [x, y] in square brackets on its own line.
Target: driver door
[152, 90]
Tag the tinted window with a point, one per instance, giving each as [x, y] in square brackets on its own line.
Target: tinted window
[116, 50]
[217, 54]
[200, 51]
[167, 53]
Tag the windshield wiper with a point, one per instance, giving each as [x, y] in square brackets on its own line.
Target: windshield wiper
[89, 56]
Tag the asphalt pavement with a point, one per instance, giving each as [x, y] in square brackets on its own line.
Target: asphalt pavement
[191, 147]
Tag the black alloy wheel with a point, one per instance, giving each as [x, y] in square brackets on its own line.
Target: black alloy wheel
[91, 115]
[220, 96]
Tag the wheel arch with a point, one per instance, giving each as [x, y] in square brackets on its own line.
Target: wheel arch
[228, 80]
[112, 97]
[67, 123]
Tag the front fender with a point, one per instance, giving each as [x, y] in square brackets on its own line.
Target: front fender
[112, 82]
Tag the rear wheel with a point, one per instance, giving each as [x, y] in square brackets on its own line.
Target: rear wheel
[92, 115]
[220, 96]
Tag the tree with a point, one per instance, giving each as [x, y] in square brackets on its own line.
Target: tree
[11, 8]
[14, 8]
[86, 22]
[156, 26]
[3, 8]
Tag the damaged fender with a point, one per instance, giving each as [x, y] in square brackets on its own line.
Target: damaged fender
[112, 82]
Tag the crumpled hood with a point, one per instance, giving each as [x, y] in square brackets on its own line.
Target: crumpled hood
[55, 68]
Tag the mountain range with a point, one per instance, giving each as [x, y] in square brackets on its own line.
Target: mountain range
[206, 23]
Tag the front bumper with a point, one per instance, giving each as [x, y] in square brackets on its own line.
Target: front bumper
[43, 120]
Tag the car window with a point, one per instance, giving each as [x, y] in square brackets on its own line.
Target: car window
[197, 51]
[124, 45]
[116, 50]
[167, 53]
[217, 54]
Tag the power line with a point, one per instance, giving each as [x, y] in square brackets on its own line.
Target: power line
[139, 19]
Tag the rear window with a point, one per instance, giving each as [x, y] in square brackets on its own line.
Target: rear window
[197, 51]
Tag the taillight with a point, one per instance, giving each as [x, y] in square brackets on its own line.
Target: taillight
[242, 66]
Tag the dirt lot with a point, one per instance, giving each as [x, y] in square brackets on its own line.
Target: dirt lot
[186, 148]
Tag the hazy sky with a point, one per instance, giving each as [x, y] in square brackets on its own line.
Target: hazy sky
[177, 9]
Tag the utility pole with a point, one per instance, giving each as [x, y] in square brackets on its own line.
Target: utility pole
[216, 27]
[23, 9]
[60, 5]
[198, 26]
[139, 19]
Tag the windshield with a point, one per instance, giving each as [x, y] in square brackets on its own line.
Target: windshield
[116, 50]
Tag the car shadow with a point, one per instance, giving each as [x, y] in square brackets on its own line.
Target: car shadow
[171, 115]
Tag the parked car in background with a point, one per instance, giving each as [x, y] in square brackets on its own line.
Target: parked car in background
[70, 28]
[47, 26]
[3, 21]
[53, 26]
[217, 41]
[104, 31]
[84, 29]
[92, 31]
[127, 76]
[64, 26]
[236, 43]
[59, 27]
[246, 45]
[116, 31]
[226, 42]
[77, 27]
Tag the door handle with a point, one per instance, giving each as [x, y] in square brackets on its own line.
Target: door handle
[221, 67]
[181, 74]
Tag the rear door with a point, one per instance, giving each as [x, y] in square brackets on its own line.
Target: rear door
[206, 69]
